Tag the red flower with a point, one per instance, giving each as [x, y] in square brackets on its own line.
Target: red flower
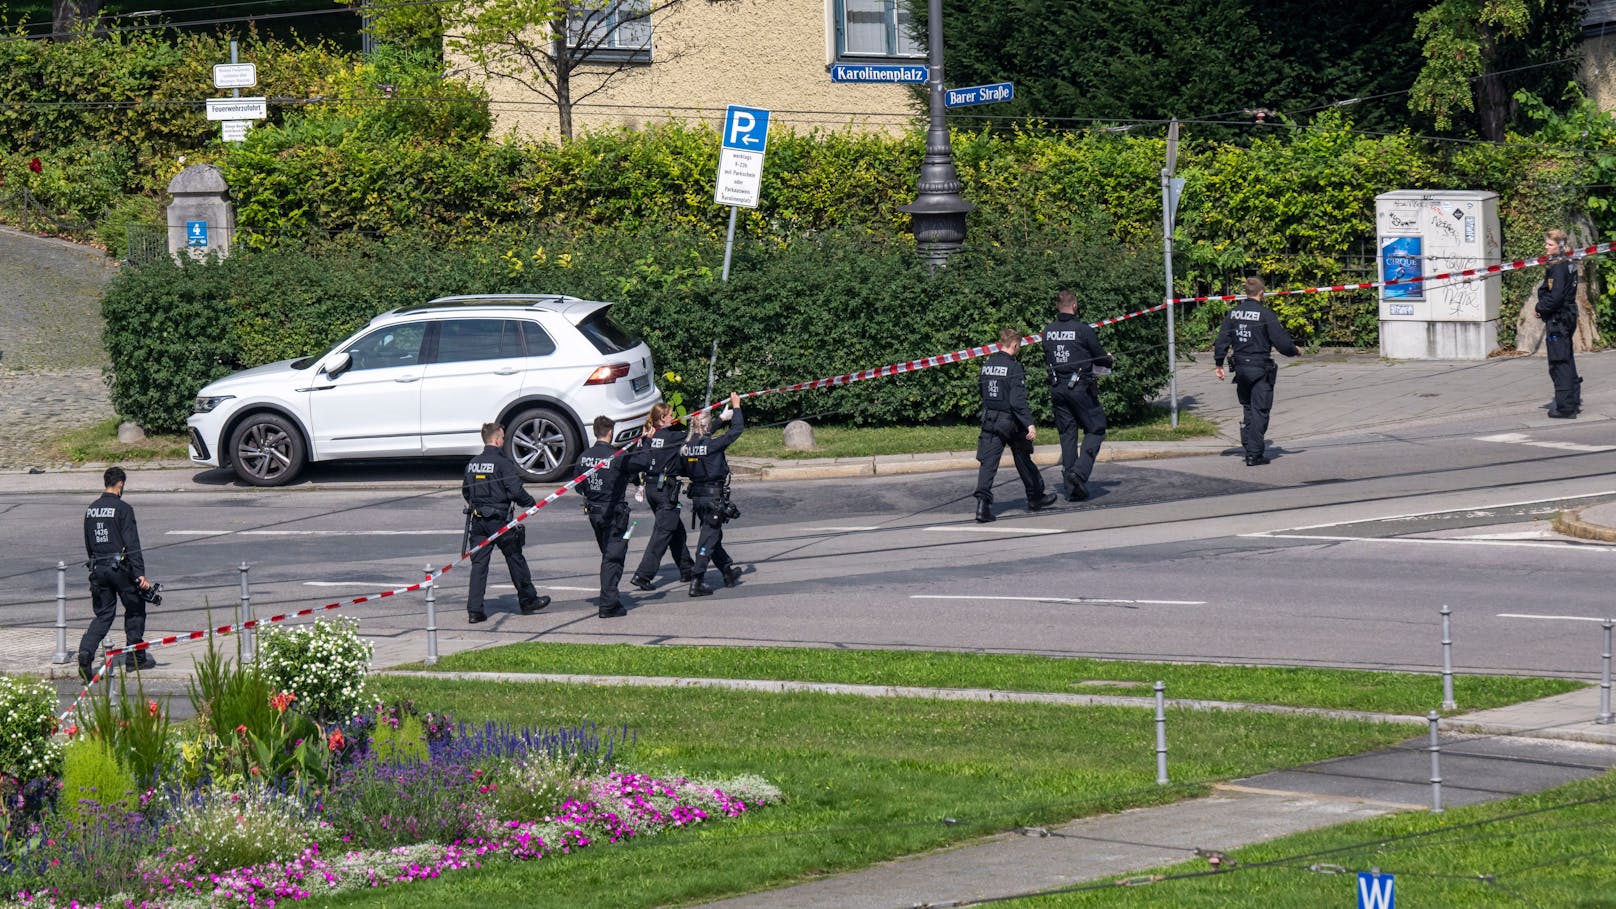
[335, 741]
[151, 708]
[35, 166]
[242, 729]
[282, 701]
[71, 730]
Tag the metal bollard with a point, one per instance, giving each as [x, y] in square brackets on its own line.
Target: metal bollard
[244, 614]
[1436, 766]
[1448, 703]
[1604, 679]
[62, 613]
[431, 618]
[1161, 734]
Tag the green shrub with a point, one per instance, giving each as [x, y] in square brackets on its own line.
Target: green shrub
[403, 744]
[93, 782]
[323, 664]
[28, 750]
[134, 729]
[139, 212]
[228, 829]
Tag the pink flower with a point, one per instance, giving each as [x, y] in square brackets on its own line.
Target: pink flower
[35, 166]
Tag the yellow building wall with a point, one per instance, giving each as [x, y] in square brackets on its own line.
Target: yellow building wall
[708, 54]
[1597, 75]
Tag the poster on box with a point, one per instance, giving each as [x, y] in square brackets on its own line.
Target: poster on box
[1400, 259]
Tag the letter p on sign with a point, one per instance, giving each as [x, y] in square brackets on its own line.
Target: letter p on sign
[746, 128]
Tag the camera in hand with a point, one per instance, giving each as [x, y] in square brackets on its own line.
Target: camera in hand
[727, 510]
[152, 594]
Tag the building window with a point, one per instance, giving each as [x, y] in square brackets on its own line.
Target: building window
[875, 28]
[613, 29]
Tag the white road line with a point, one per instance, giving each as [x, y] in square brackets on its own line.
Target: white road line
[1543, 534]
[1559, 618]
[543, 587]
[1102, 600]
[1521, 438]
[387, 585]
[1579, 546]
[841, 529]
[990, 530]
[314, 533]
[1482, 511]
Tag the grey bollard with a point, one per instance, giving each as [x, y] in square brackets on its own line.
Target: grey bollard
[1448, 703]
[62, 613]
[1436, 765]
[1604, 679]
[431, 618]
[1161, 734]
[244, 614]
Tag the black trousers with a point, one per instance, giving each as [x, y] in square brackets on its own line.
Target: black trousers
[1254, 386]
[667, 534]
[1563, 371]
[710, 542]
[511, 546]
[1000, 429]
[110, 584]
[1078, 408]
[609, 528]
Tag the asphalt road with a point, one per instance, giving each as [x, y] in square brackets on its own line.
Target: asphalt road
[1339, 553]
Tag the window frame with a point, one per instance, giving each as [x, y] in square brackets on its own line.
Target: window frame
[609, 51]
[893, 36]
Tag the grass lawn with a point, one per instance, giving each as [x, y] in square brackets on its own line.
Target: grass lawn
[1381, 692]
[1553, 849]
[865, 780]
[99, 443]
[865, 441]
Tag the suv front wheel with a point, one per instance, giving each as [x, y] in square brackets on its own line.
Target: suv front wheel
[543, 444]
[266, 450]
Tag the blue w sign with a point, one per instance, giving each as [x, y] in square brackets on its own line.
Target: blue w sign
[1376, 891]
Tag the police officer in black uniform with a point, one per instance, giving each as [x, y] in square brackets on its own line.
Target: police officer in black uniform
[117, 574]
[1249, 331]
[490, 486]
[1006, 420]
[1071, 351]
[607, 509]
[704, 463]
[1557, 307]
[661, 484]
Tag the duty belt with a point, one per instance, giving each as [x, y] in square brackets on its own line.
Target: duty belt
[706, 491]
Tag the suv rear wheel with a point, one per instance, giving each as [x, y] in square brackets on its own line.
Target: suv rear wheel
[543, 444]
[266, 450]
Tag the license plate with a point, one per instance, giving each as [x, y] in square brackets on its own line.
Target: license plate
[641, 383]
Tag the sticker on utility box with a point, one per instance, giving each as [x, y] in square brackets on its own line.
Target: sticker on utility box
[1400, 309]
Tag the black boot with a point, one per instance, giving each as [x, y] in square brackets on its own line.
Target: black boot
[85, 672]
[535, 606]
[139, 660]
[984, 511]
[732, 576]
[698, 589]
[1039, 503]
[639, 583]
[614, 611]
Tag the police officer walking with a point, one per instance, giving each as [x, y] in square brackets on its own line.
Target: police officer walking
[117, 574]
[1249, 331]
[608, 511]
[1557, 307]
[490, 487]
[1071, 351]
[1006, 420]
[662, 491]
[708, 469]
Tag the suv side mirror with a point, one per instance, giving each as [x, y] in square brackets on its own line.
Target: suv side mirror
[338, 365]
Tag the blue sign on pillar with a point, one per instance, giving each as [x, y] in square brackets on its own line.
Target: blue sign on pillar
[196, 233]
[1376, 890]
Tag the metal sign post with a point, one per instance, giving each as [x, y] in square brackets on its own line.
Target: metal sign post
[1171, 188]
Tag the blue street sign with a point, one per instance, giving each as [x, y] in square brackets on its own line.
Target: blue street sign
[979, 94]
[196, 233]
[746, 128]
[1376, 891]
[872, 72]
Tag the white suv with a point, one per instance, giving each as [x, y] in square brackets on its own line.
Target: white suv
[421, 381]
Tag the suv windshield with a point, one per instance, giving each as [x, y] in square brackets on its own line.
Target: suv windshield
[607, 336]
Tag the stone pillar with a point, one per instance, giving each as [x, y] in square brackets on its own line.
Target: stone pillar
[201, 219]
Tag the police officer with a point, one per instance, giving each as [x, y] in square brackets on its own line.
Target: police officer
[662, 491]
[1071, 351]
[117, 573]
[1557, 307]
[490, 486]
[703, 462]
[1006, 420]
[1249, 331]
[608, 511]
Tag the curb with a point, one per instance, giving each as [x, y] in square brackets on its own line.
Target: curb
[900, 465]
[1571, 524]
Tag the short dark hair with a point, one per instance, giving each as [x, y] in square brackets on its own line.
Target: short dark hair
[489, 431]
[1255, 286]
[1066, 300]
[603, 427]
[113, 477]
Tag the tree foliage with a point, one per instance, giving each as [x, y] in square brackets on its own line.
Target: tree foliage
[1477, 54]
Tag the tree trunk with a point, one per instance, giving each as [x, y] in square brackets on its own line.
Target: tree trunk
[1492, 101]
[69, 17]
[563, 79]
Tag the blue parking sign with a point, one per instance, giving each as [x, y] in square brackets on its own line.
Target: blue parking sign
[196, 233]
[1376, 890]
[746, 128]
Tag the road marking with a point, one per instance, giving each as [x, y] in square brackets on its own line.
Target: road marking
[314, 533]
[543, 587]
[1478, 511]
[383, 584]
[1552, 618]
[1521, 438]
[1294, 794]
[841, 529]
[941, 596]
[990, 530]
[1540, 534]
[1568, 545]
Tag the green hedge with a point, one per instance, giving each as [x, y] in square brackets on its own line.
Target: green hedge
[804, 310]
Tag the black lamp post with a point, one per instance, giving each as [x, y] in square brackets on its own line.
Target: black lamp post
[938, 210]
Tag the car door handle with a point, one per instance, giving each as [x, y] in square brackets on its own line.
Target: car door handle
[407, 379]
[506, 371]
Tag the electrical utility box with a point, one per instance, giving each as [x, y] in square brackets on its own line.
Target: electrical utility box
[1432, 232]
